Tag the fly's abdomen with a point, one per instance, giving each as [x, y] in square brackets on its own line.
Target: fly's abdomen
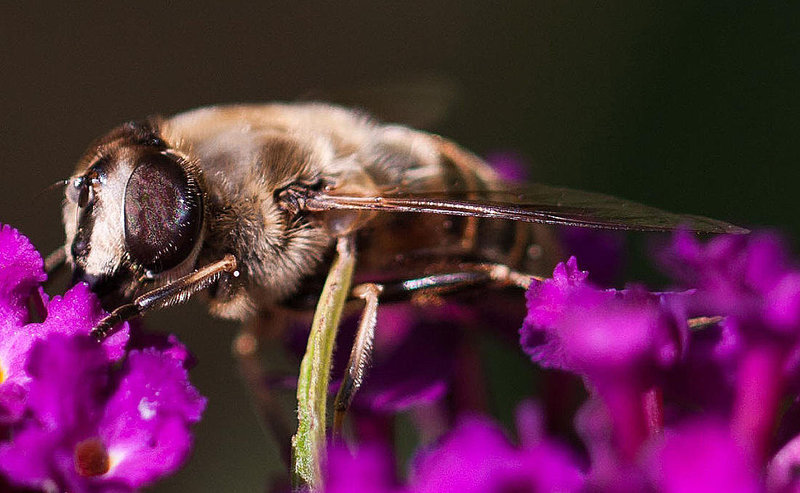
[429, 167]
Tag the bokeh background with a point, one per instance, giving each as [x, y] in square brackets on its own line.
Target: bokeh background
[690, 106]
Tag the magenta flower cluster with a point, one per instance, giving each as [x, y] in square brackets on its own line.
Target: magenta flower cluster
[76, 415]
[690, 390]
[474, 457]
[687, 391]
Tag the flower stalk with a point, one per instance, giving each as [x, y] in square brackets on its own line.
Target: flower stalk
[308, 444]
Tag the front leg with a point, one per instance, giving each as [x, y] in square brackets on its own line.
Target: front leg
[173, 293]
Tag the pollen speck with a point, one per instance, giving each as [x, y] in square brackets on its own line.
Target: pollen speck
[146, 409]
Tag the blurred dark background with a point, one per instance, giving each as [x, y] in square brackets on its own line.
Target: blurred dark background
[690, 106]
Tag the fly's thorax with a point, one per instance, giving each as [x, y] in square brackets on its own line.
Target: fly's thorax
[276, 247]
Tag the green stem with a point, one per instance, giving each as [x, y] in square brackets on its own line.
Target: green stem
[308, 444]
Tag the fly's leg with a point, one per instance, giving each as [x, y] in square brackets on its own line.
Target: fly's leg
[257, 350]
[360, 355]
[506, 276]
[463, 277]
[55, 261]
[173, 293]
[473, 275]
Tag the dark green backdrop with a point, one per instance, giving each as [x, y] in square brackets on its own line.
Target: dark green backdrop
[691, 106]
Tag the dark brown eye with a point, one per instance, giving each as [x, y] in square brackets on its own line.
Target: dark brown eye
[163, 213]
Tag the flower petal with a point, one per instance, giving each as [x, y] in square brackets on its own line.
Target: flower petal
[146, 425]
[21, 271]
[701, 456]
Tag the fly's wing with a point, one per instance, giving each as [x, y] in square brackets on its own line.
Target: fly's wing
[533, 203]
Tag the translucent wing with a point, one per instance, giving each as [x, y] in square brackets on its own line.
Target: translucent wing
[533, 203]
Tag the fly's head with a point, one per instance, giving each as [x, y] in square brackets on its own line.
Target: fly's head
[133, 214]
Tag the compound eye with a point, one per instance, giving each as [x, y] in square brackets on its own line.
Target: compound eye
[163, 213]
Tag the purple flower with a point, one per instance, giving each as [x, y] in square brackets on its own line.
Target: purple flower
[700, 455]
[146, 421]
[751, 282]
[368, 470]
[621, 342]
[695, 456]
[574, 326]
[165, 343]
[627, 345]
[95, 428]
[546, 302]
[630, 335]
[476, 457]
[748, 278]
[611, 469]
[622, 348]
[473, 457]
[21, 273]
[75, 418]
[705, 378]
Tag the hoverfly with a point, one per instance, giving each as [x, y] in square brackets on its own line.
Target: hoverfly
[252, 205]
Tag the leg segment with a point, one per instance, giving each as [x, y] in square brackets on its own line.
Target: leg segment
[360, 355]
[463, 277]
[254, 349]
[55, 261]
[171, 294]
